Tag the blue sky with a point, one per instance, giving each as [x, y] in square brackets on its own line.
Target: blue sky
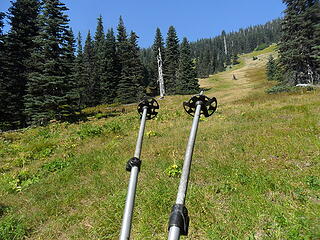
[192, 19]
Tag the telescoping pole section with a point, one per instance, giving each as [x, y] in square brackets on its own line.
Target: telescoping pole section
[147, 110]
[179, 220]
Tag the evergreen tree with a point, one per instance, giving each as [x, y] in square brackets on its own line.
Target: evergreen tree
[79, 75]
[19, 45]
[50, 88]
[316, 40]
[186, 80]
[235, 59]
[271, 68]
[110, 79]
[71, 109]
[299, 40]
[171, 60]
[88, 64]
[3, 90]
[126, 92]
[99, 62]
[136, 66]
[157, 44]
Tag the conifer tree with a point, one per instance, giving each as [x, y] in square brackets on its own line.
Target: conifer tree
[3, 90]
[110, 78]
[88, 64]
[171, 60]
[99, 61]
[271, 68]
[299, 40]
[136, 66]
[316, 40]
[79, 74]
[71, 109]
[19, 45]
[186, 80]
[126, 92]
[235, 59]
[50, 88]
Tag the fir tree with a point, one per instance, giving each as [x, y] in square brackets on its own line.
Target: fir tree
[315, 11]
[79, 74]
[99, 62]
[271, 68]
[186, 81]
[235, 59]
[22, 16]
[3, 90]
[88, 64]
[299, 40]
[50, 88]
[136, 66]
[110, 79]
[171, 60]
[126, 92]
[71, 109]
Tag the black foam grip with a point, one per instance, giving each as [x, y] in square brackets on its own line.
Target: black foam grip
[179, 218]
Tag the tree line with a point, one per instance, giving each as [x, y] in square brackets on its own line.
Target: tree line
[45, 73]
[299, 47]
[212, 55]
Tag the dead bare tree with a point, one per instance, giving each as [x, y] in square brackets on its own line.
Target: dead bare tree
[160, 79]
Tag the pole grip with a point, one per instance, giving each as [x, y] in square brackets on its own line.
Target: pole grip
[179, 218]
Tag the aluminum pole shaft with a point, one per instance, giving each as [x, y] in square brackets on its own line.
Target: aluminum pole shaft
[174, 232]
[128, 210]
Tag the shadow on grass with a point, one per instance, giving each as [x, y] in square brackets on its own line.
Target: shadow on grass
[3, 209]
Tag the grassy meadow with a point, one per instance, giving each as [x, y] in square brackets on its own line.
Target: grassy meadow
[255, 171]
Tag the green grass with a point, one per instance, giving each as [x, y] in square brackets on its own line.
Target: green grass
[255, 171]
[271, 49]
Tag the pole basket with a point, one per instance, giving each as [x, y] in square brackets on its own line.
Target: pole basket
[208, 105]
[152, 106]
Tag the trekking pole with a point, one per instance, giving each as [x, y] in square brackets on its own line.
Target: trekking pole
[179, 220]
[147, 110]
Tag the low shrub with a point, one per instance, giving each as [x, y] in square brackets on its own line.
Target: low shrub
[113, 127]
[88, 130]
[280, 89]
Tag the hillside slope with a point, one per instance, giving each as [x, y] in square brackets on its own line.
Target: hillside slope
[255, 172]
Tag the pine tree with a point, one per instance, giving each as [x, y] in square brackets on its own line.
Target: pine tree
[315, 11]
[186, 80]
[136, 66]
[88, 64]
[19, 45]
[99, 61]
[299, 40]
[109, 80]
[71, 109]
[50, 88]
[3, 90]
[271, 68]
[79, 75]
[235, 59]
[126, 92]
[171, 61]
